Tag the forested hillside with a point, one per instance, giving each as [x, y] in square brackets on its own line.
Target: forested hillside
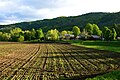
[66, 23]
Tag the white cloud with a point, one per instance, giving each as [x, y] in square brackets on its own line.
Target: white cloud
[27, 10]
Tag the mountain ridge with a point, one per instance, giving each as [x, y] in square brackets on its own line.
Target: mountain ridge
[66, 23]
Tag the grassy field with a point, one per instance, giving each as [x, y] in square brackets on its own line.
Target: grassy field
[52, 61]
[114, 75]
[101, 45]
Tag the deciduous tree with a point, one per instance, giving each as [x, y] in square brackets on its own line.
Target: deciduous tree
[114, 34]
[27, 35]
[89, 28]
[76, 31]
[107, 33]
[39, 34]
[53, 35]
[63, 33]
[96, 30]
[21, 38]
[33, 33]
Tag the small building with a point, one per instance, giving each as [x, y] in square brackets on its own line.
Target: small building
[69, 36]
[118, 38]
[94, 37]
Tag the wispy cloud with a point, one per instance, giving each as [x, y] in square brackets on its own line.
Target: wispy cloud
[12, 11]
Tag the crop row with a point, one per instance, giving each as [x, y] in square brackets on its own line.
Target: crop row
[54, 61]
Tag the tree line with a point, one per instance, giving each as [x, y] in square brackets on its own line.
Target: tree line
[18, 35]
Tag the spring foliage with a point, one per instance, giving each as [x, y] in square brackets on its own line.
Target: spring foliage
[52, 35]
[76, 31]
[17, 34]
[93, 29]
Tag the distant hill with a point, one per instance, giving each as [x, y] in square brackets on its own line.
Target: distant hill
[66, 23]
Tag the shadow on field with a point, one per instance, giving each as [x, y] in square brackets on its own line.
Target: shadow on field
[86, 54]
[109, 58]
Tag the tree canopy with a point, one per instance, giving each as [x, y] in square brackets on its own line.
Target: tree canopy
[17, 34]
[52, 35]
[76, 31]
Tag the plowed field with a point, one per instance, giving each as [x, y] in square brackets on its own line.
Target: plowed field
[45, 61]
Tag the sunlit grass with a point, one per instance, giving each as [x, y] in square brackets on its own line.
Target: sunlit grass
[114, 75]
[101, 45]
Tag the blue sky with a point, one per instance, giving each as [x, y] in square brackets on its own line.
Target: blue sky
[13, 11]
